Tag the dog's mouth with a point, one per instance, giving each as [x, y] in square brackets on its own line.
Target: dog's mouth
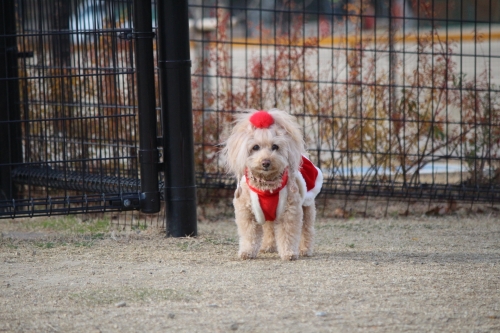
[266, 183]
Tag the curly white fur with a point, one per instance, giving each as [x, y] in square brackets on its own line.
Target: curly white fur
[259, 158]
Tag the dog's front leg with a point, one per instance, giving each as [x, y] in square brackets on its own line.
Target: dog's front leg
[288, 229]
[268, 240]
[249, 232]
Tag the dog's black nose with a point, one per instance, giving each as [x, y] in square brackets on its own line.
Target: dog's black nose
[266, 164]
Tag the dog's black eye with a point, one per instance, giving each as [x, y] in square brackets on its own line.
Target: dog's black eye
[256, 147]
[275, 147]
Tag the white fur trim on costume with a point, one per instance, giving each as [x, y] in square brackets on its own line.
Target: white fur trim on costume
[311, 195]
[282, 202]
[256, 209]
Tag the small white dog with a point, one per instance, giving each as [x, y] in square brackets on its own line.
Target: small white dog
[277, 184]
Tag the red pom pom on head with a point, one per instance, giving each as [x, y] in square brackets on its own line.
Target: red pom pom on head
[262, 119]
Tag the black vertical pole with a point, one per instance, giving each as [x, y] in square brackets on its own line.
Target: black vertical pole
[175, 90]
[148, 150]
[10, 127]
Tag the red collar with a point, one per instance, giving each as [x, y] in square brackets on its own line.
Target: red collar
[266, 193]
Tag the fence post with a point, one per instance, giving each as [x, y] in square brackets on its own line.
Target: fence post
[10, 114]
[175, 91]
[148, 148]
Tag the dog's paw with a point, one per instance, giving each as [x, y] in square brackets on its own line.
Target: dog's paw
[306, 253]
[288, 256]
[268, 249]
[246, 255]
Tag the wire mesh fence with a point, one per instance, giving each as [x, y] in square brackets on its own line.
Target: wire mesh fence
[396, 98]
[76, 108]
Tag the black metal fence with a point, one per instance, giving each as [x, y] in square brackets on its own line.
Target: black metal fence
[71, 132]
[396, 98]
[82, 123]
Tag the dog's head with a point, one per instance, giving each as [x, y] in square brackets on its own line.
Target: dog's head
[262, 145]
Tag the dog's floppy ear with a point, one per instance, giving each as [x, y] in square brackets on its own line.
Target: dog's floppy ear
[296, 144]
[234, 150]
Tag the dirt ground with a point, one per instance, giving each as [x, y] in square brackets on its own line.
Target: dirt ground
[395, 274]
